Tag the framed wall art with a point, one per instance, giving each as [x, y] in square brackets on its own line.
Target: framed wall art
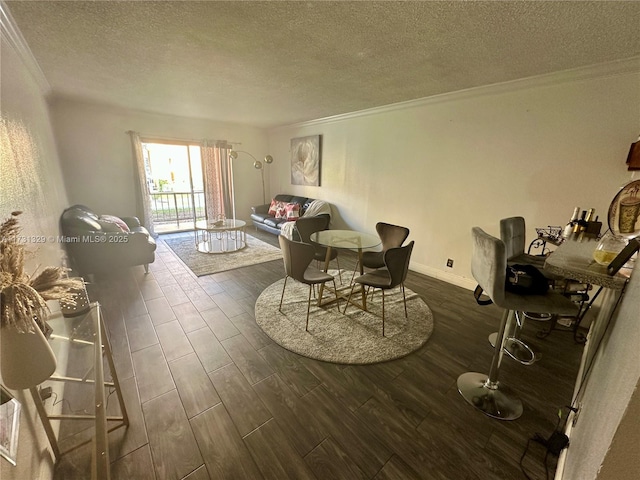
[306, 156]
[624, 211]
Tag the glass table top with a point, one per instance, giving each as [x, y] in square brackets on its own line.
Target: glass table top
[228, 224]
[350, 239]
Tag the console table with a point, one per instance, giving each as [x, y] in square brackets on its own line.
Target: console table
[81, 344]
[574, 259]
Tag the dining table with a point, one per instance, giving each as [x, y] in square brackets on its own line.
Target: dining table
[350, 240]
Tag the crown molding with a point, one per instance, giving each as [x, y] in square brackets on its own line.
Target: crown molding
[12, 37]
[609, 69]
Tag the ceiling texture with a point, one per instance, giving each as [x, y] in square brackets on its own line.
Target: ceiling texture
[276, 63]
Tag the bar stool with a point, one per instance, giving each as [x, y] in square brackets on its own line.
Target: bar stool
[512, 233]
[488, 267]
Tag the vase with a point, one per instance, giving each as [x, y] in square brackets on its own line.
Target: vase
[608, 248]
[26, 359]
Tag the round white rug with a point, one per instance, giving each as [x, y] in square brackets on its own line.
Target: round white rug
[351, 338]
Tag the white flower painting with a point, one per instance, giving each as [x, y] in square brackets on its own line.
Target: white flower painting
[305, 160]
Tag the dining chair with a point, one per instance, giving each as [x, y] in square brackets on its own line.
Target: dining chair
[488, 267]
[391, 236]
[394, 273]
[307, 226]
[297, 258]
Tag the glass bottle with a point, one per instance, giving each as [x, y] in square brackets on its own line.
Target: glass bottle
[590, 215]
[581, 225]
[608, 248]
[568, 229]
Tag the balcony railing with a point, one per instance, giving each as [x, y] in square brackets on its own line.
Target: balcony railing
[175, 210]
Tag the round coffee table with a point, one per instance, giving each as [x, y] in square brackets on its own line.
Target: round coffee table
[222, 236]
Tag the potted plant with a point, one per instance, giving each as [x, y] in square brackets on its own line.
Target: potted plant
[26, 359]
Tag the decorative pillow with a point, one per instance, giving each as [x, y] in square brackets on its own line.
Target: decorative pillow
[281, 211]
[109, 227]
[275, 207]
[292, 211]
[117, 220]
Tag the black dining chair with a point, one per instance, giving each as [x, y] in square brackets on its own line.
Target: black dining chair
[297, 258]
[394, 273]
[391, 236]
[306, 227]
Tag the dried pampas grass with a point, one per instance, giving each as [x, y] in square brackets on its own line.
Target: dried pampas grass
[24, 299]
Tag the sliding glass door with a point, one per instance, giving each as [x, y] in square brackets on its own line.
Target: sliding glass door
[175, 184]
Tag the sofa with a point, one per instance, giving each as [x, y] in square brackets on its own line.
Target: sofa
[272, 218]
[104, 243]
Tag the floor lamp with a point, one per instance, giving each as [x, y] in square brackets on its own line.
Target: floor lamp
[257, 164]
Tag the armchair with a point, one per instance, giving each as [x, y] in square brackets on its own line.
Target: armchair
[104, 243]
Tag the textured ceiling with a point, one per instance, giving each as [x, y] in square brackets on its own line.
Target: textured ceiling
[276, 63]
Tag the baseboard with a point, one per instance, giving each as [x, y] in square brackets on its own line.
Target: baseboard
[448, 277]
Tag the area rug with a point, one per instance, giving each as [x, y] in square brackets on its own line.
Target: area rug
[201, 264]
[354, 338]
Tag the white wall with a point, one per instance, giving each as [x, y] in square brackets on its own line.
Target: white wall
[535, 148]
[622, 460]
[97, 160]
[608, 390]
[30, 181]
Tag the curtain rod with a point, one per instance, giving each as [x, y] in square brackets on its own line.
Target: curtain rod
[176, 139]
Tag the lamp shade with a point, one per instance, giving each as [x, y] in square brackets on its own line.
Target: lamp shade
[257, 164]
[26, 359]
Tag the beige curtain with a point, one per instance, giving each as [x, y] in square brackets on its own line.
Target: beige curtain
[143, 200]
[217, 168]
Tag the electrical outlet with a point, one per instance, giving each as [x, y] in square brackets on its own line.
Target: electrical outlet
[449, 263]
[45, 392]
[576, 414]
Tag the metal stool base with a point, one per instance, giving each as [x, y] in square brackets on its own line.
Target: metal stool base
[538, 317]
[516, 349]
[494, 400]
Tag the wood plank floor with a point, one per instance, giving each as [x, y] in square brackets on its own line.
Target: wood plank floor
[210, 396]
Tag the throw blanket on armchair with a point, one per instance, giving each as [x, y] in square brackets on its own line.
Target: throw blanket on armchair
[317, 207]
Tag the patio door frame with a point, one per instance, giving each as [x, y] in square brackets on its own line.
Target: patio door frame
[177, 143]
